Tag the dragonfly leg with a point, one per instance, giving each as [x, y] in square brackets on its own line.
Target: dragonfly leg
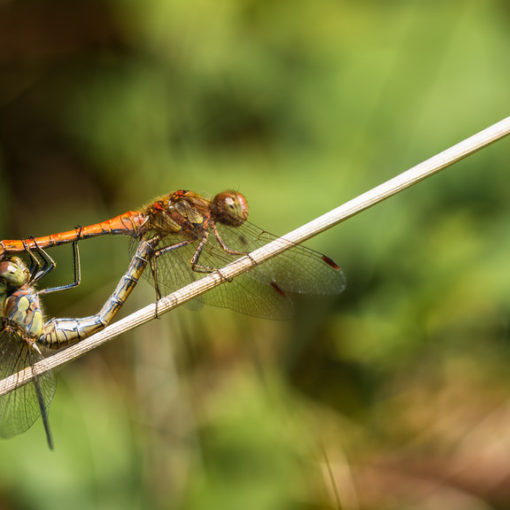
[226, 248]
[77, 271]
[172, 247]
[154, 265]
[199, 268]
[222, 242]
[195, 266]
[39, 269]
[154, 270]
[61, 332]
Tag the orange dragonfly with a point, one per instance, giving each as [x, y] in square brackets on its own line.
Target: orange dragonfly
[205, 235]
[24, 337]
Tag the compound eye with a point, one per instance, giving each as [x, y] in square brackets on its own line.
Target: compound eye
[230, 208]
[14, 272]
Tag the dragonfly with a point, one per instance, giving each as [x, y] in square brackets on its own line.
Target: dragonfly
[25, 337]
[204, 235]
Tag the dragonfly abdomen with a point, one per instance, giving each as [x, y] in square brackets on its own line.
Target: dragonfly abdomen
[127, 223]
[61, 332]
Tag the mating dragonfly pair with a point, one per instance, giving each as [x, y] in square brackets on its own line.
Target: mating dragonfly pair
[181, 236]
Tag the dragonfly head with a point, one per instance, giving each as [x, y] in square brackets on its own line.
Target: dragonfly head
[230, 208]
[14, 272]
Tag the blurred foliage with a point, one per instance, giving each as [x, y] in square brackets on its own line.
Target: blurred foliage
[393, 396]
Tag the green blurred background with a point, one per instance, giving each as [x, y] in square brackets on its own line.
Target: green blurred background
[393, 396]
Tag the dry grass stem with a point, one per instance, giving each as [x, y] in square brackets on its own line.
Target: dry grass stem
[341, 213]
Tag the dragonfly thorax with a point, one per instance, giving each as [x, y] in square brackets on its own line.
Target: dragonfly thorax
[21, 311]
[22, 314]
[182, 212]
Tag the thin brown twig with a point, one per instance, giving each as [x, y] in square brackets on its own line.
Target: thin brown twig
[314, 227]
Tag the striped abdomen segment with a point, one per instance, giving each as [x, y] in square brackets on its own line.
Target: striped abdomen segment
[61, 332]
[126, 223]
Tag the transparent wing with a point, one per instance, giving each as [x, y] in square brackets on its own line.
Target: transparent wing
[20, 408]
[243, 294]
[298, 270]
[262, 291]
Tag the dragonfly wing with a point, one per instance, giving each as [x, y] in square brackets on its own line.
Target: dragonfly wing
[263, 291]
[243, 294]
[173, 268]
[20, 408]
[298, 270]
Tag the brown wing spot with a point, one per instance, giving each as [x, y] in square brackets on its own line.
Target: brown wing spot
[330, 262]
[278, 289]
